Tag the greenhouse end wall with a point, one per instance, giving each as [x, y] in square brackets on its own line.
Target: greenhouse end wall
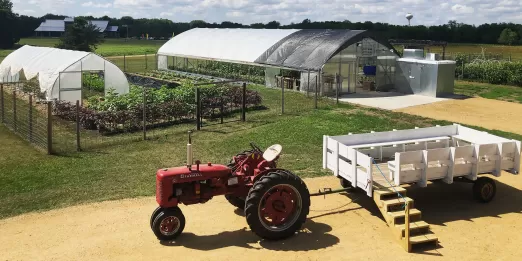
[349, 64]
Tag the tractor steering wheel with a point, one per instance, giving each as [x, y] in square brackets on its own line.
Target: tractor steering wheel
[254, 146]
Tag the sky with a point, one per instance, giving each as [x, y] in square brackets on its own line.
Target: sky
[425, 12]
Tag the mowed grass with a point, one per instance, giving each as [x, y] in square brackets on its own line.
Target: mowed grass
[31, 181]
[489, 91]
[111, 46]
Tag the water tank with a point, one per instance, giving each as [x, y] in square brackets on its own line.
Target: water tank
[413, 54]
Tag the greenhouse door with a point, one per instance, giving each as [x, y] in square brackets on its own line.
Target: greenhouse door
[70, 87]
[348, 77]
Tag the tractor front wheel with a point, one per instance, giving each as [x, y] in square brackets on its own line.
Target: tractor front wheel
[168, 224]
[154, 215]
[236, 201]
[277, 205]
[484, 189]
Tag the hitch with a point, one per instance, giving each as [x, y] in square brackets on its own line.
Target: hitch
[327, 191]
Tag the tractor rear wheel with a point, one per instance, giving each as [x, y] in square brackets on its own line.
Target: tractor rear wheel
[236, 201]
[277, 205]
[168, 224]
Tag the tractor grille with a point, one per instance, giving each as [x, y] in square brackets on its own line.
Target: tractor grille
[159, 191]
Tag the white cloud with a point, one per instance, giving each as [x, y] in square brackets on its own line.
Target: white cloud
[426, 12]
[165, 14]
[97, 5]
[462, 9]
[235, 14]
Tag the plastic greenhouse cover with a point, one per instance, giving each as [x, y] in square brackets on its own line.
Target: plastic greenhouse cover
[310, 49]
[235, 45]
[307, 49]
[47, 63]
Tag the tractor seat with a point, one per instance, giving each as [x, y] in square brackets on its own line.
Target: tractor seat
[272, 152]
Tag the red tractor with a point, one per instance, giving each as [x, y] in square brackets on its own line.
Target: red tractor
[275, 201]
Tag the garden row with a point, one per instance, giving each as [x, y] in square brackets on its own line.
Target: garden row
[173, 76]
[494, 72]
[164, 106]
[249, 73]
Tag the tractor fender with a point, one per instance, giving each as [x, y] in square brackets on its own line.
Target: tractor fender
[265, 172]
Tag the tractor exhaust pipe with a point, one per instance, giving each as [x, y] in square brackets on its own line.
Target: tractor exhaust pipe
[189, 149]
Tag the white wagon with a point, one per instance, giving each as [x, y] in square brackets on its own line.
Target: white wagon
[418, 155]
[379, 163]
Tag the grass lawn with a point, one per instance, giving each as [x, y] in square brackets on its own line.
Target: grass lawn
[489, 91]
[111, 47]
[32, 181]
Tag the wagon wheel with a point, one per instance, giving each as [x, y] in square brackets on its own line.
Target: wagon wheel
[277, 205]
[484, 189]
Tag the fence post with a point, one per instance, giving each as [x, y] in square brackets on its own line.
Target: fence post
[2, 101]
[243, 104]
[198, 110]
[78, 147]
[308, 87]
[144, 113]
[282, 94]
[14, 111]
[337, 87]
[124, 63]
[222, 109]
[316, 89]
[30, 118]
[49, 129]
[146, 62]
[463, 62]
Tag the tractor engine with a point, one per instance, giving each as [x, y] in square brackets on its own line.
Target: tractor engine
[191, 184]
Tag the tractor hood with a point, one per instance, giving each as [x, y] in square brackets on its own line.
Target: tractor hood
[184, 174]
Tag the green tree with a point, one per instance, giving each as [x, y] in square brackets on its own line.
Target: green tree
[9, 21]
[81, 36]
[508, 37]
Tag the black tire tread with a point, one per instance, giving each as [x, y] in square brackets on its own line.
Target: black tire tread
[175, 211]
[477, 186]
[236, 201]
[154, 215]
[254, 197]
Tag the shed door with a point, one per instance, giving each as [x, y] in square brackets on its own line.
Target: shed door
[415, 78]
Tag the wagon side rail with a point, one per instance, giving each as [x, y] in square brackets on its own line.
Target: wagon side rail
[448, 163]
[348, 163]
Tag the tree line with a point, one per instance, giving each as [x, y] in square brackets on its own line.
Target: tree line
[452, 31]
[14, 26]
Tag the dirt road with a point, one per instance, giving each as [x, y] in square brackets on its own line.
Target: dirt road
[119, 230]
[487, 113]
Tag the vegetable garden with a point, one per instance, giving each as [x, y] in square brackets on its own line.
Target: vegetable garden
[249, 73]
[152, 107]
[489, 71]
